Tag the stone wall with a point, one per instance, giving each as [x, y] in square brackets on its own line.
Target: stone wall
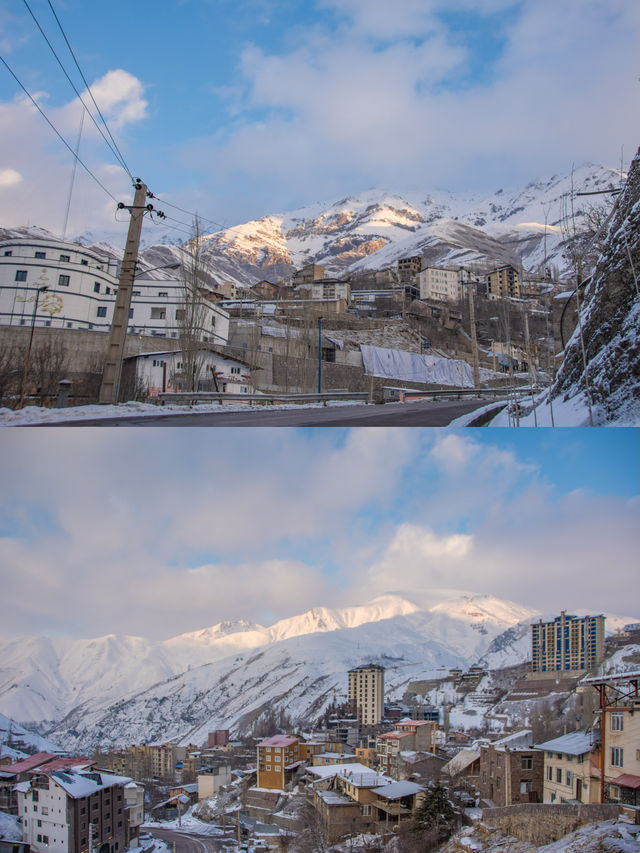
[541, 823]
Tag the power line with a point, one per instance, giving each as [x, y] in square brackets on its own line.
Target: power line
[55, 130]
[113, 150]
[84, 80]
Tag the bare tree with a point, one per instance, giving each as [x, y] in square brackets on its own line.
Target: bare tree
[48, 366]
[192, 312]
[12, 357]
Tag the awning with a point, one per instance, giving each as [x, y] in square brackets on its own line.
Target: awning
[627, 780]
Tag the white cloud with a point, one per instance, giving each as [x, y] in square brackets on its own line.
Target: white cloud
[8, 177]
[31, 149]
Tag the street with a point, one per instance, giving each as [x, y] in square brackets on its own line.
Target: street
[420, 413]
[193, 843]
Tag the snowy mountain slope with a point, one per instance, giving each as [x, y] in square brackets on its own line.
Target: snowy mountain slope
[21, 739]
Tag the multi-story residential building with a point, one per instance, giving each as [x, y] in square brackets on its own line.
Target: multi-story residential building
[441, 284]
[571, 768]
[134, 809]
[366, 693]
[503, 283]
[331, 288]
[409, 736]
[408, 268]
[80, 293]
[22, 770]
[278, 759]
[308, 274]
[218, 738]
[511, 770]
[568, 643]
[619, 700]
[74, 811]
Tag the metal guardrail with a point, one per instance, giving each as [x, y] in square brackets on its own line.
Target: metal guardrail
[402, 394]
[219, 396]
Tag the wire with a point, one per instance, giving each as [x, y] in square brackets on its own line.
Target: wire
[113, 150]
[84, 80]
[194, 215]
[55, 130]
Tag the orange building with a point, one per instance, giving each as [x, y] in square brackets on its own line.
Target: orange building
[278, 759]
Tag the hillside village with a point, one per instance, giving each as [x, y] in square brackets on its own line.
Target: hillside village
[555, 750]
[461, 310]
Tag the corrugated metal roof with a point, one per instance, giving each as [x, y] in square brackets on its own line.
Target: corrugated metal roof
[575, 743]
[397, 790]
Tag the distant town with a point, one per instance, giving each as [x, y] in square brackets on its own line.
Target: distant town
[371, 773]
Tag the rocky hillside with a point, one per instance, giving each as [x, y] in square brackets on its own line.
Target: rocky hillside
[610, 319]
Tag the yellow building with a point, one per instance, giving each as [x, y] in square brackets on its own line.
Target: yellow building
[278, 759]
[366, 693]
[571, 769]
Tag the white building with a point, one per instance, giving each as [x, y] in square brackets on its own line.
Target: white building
[210, 781]
[74, 811]
[444, 284]
[81, 290]
[162, 371]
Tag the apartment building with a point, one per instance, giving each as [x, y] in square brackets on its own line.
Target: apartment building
[567, 643]
[74, 811]
[366, 693]
[503, 283]
[444, 285]
[308, 274]
[409, 268]
[75, 288]
[211, 780]
[409, 736]
[278, 759]
[571, 768]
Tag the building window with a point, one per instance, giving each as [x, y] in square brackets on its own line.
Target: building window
[102, 311]
[617, 721]
[41, 255]
[8, 253]
[617, 756]
[213, 321]
[107, 290]
[526, 786]
[158, 313]
[559, 775]
[136, 293]
[179, 313]
[164, 293]
[549, 774]
[526, 762]
[96, 287]
[65, 258]
[84, 262]
[21, 275]
[569, 778]
[130, 313]
[63, 281]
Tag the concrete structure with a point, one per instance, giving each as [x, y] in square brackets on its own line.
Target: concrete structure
[503, 283]
[366, 693]
[134, 809]
[441, 284]
[218, 738]
[74, 811]
[81, 292]
[568, 643]
[409, 736]
[571, 768]
[278, 759]
[210, 781]
[308, 274]
[331, 288]
[511, 770]
[408, 268]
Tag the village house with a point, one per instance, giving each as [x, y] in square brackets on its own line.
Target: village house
[571, 768]
[163, 371]
[408, 737]
[511, 770]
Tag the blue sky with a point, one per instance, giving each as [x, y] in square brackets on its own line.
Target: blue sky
[193, 527]
[240, 109]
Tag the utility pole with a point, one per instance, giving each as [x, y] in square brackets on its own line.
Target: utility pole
[474, 339]
[110, 388]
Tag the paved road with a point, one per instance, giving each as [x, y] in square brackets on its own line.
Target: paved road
[419, 413]
[191, 843]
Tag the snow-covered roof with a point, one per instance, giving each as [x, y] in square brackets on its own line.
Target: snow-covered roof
[397, 790]
[358, 774]
[574, 743]
[82, 784]
[279, 740]
[461, 761]
[29, 763]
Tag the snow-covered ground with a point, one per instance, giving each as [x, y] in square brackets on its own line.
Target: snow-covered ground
[188, 824]
[10, 828]
[573, 412]
[34, 415]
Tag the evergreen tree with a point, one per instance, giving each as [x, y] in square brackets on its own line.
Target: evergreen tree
[435, 811]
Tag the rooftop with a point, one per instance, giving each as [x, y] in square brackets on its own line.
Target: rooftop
[575, 743]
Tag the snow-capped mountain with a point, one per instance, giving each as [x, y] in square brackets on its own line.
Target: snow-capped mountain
[373, 229]
[225, 674]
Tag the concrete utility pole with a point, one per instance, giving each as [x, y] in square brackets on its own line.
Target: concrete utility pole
[110, 388]
[474, 339]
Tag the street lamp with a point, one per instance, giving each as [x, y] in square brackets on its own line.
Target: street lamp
[27, 359]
